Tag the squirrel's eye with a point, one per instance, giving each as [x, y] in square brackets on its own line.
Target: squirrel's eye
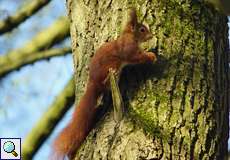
[142, 29]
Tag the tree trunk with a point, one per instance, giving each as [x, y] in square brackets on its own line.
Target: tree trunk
[176, 108]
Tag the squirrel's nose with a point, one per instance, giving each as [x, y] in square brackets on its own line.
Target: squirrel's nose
[150, 35]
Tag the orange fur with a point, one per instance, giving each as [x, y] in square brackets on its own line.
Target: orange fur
[75, 132]
[114, 54]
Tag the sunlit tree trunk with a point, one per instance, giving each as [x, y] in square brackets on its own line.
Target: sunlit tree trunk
[175, 109]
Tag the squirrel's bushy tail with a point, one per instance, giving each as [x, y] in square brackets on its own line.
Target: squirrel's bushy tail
[78, 128]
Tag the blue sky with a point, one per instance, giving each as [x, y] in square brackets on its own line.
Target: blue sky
[24, 95]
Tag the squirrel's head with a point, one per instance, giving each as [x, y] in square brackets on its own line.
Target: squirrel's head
[140, 31]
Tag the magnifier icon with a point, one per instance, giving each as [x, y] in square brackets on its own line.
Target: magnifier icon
[9, 147]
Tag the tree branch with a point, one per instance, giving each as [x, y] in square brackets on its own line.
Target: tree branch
[31, 58]
[48, 121]
[58, 31]
[27, 10]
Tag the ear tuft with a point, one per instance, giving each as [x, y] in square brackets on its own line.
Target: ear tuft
[133, 17]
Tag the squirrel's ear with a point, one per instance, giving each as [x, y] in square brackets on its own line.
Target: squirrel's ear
[133, 17]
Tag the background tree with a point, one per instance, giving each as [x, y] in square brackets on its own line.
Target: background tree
[175, 109]
[24, 95]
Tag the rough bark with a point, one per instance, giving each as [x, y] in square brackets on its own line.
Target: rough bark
[177, 108]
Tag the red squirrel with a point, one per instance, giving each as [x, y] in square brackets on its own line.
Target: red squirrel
[111, 55]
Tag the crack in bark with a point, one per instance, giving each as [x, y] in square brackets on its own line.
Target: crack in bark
[192, 99]
[116, 130]
[171, 91]
[205, 71]
[157, 104]
[170, 142]
[185, 85]
[181, 109]
[193, 136]
[180, 146]
[109, 4]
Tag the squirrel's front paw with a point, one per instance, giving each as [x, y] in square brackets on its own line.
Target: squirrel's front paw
[152, 56]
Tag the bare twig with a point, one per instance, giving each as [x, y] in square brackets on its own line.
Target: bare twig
[27, 10]
[31, 58]
[58, 31]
